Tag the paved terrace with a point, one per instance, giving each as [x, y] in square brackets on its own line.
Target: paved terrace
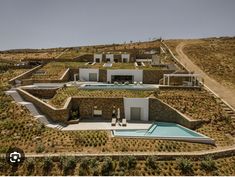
[100, 124]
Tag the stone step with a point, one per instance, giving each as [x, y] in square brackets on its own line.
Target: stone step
[42, 119]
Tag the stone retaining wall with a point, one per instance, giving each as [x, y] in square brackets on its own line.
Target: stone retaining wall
[64, 78]
[161, 111]
[25, 74]
[153, 76]
[86, 106]
[102, 75]
[84, 58]
[42, 93]
[55, 114]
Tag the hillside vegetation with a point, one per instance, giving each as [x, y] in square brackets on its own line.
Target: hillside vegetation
[215, 56]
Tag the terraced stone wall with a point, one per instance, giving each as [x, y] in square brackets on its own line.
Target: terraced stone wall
[87, 105]
[58, 115]
[160, 111]
[42, 93]
[154, 76]
[102, 75]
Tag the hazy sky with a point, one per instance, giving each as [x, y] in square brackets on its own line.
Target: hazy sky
[57, 23]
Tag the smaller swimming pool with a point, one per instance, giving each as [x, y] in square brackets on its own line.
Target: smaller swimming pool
[164, 130]
[119, 86]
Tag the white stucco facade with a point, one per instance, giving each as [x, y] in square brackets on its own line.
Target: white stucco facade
[125, 56]
[110, 56]
[98, 56]
[84, 73]
[142, 103]
[138, 74]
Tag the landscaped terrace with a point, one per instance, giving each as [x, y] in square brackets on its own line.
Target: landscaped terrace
[19, 128]
[199, 104]
[64, 93]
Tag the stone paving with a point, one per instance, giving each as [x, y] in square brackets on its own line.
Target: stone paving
[106, 126]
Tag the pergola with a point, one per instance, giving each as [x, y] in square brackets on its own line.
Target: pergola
[193, 78]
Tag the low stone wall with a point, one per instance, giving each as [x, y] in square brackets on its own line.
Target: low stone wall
[154, 76]
[161, 111]
[166, 87]
[64, 78]
[25, 75]
[55, 114]
[86, 106]
[42, 93]
[84, 58]
[102, 75]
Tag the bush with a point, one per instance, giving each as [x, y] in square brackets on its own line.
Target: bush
[151, 162]
[131, 162]
[47, 164]
[208, 164]
[40, 148]
[30, 165]
[185, 165]
[107, 167]
[84, 167]
[70, 165]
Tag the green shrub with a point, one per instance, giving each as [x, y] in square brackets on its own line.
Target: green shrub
[107, 167]
[208, 164]
[30, 165]
[40, 148]
[47, 165]
[151, 162]
[84, 167]
[70, 165]
[185, 165]
[132, 162]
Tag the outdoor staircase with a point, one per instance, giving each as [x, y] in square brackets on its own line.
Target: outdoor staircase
[151, 129]
[33, 110]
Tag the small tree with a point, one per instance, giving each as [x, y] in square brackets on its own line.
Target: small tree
[84, 167]
[40, 148]
[185, 165]
[70, 165]
[131, 162]
[30, 165]
[107, 166]
[208, 164]
[47, 165]
[151, 162]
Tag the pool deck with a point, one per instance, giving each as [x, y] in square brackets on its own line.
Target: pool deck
[105, 126]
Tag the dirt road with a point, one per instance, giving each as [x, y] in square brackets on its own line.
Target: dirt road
[226, 94]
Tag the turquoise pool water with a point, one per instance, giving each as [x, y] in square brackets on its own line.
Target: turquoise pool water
[119, 86]
[161, 129]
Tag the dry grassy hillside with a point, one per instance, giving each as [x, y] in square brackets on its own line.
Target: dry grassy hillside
[215, 56]
[26, 54]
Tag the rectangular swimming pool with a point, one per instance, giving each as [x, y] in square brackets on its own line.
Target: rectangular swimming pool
[164, 130]
[119, 86]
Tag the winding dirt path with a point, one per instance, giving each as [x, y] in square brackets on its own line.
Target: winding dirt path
[228, 95]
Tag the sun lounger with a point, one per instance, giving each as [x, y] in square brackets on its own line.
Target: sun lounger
[123, 122]
[113, 121]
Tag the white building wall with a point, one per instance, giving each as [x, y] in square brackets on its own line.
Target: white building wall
[110, 56]
[138, 74]
[142, 103]
[84, 73]
[126, 56]
[98, 56]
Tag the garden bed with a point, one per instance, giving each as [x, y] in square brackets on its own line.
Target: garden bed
[64, 93]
